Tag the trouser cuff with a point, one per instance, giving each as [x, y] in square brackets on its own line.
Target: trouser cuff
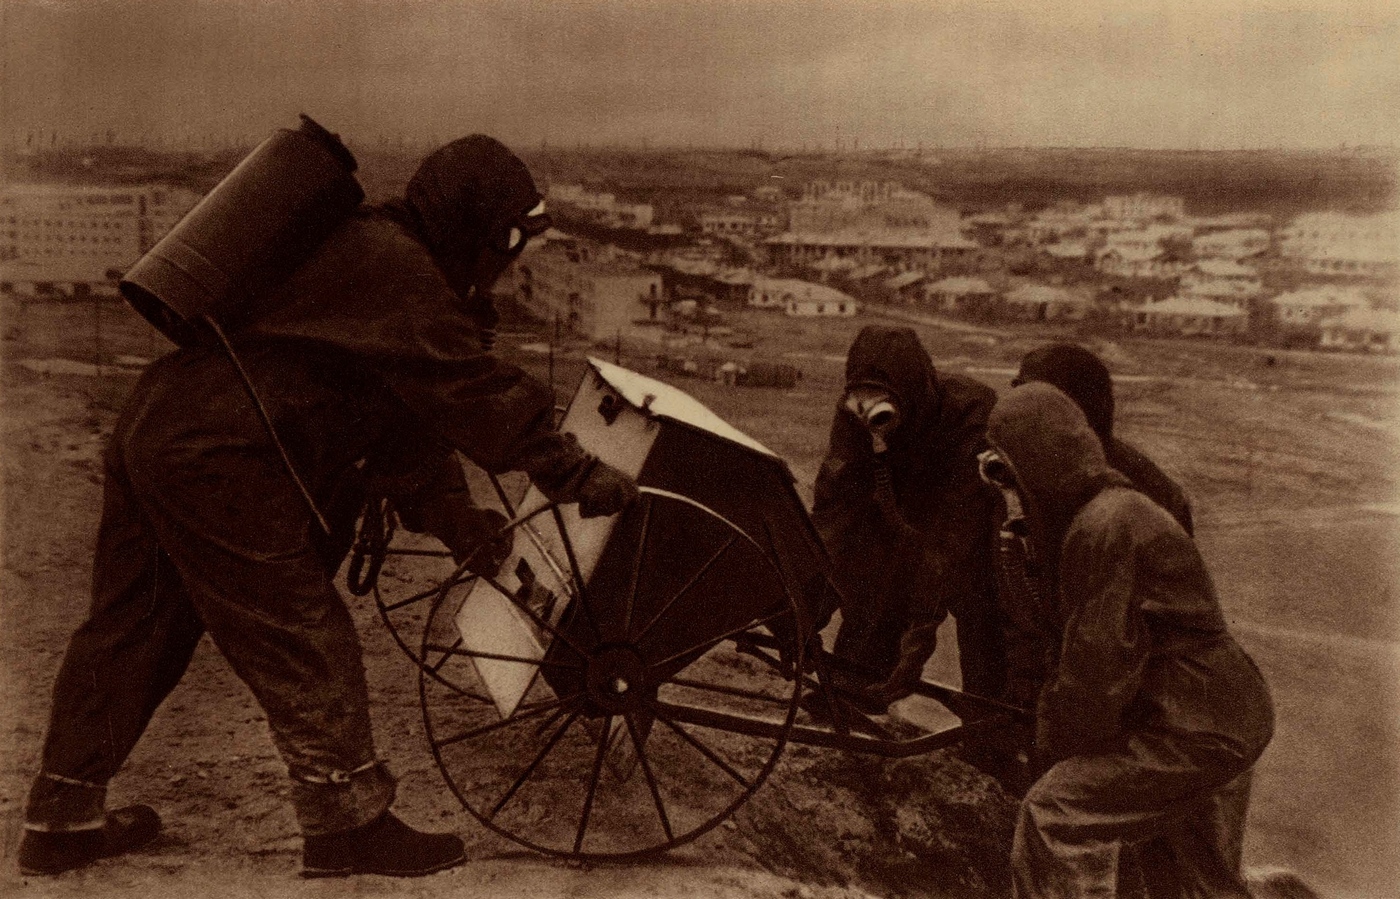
[59, 804]
[333, 801]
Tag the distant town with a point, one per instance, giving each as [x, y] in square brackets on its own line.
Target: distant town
[684, 261]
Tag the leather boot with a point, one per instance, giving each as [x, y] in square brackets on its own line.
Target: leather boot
[53, 852]
[385, 846]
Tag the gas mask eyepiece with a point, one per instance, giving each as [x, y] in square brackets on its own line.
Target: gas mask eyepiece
[877, 411]
[532, 224]
[995, 471]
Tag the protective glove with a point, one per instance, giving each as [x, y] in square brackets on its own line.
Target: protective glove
[597, 487]
[916, 645]
[476, 534]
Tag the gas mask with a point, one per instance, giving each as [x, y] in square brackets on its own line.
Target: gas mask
[997, 472]
[504, 244]
[876, 409]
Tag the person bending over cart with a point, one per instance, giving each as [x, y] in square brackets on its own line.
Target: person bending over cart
[370, 361]
[1153, 716]
[1083, 377]
[908, 522]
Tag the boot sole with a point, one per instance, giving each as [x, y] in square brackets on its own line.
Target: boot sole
[314, 873]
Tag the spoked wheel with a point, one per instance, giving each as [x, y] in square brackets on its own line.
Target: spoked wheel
[656, 707]
[416, 570]
[405, 572]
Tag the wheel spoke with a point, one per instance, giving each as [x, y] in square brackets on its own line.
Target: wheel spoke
[501, 495]
[711, 641]
[727, 691]
[637, 565]
[504, 722]
[500, 657]
[539, 757]
[436, 553]
[419, 597]
[580, 588]
[637, 745]
[447, 653]
[593, 782]
[686, 589]
[706, 751]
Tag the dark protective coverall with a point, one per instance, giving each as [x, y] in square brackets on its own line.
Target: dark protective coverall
[369, 361]
[1083, 377]
[902, 566]
[1153, 718]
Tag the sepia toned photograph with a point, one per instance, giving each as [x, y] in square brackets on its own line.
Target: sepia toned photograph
[731, 449]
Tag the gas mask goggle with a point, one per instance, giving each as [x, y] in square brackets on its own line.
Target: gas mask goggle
[509, 241]
[504, 243]
[997, 472]
[876, 409]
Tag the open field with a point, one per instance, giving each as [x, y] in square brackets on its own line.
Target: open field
[1292, 464]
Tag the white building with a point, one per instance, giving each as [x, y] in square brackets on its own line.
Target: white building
[1223, 280]
[603, 207]
[797, 297]
[830, 206]
[591, 289]
[1041, 302]
[746, 222]
[959, 294]
[87, 228]
[1365, 330]
[1237, 243]
[1131, 262]
[71, 279]
[1334, 244]
[1309, 307]
[897, 250]
[1190, 318]
[1143, 206]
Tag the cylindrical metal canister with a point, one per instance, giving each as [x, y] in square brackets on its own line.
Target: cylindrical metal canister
[257, 225]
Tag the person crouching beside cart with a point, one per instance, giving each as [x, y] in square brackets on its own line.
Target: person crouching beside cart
[908, 522]
[370, 360]
[1153, 716]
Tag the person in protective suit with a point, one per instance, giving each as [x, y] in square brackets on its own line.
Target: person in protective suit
[1083, 377]
[1153, 717]
[907, 521]
[369, 359]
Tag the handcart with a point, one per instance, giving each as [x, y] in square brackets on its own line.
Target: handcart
[625, 684]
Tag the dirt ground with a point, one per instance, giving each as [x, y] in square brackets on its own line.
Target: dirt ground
[1291, 460]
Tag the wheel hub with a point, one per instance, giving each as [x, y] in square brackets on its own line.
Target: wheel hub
[617, 679]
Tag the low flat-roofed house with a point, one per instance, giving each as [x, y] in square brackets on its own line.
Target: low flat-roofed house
[1236, 243]
[1142, 206]
[1137, 262]
[1335, 244]
[797, 297]
[1190, 318]
[1041, 302]
[959, 294]
[1066, 252]
[906, 287]
[804, 308]
[746, 221]
[1363, 330]
[801, 298]
[1308, 307]
[1152, 237]
[1222, 280]
[897, 250]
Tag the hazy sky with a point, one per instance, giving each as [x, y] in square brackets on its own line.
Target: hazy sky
[1190, 73]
